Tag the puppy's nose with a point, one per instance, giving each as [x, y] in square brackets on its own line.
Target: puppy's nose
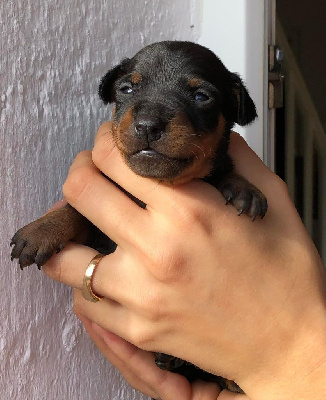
[149, 128]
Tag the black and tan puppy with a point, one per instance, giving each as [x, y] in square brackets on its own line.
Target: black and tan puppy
[175, 104]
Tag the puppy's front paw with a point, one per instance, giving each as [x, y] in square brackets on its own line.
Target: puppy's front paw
[36, 243]
[244, 196]
[167, 362]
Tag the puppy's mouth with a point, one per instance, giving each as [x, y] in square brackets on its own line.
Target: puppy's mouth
[152, 164]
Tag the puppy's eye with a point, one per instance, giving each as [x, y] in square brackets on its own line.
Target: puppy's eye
[126, 88]
[201, 97]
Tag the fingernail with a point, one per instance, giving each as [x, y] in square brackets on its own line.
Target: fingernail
[57, 205]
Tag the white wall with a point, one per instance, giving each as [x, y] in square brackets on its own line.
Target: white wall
[235, 31]
[52, 56]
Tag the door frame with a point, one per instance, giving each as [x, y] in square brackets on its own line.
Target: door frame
[239, 32]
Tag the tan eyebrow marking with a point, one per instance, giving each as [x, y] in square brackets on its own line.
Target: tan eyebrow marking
[136, 77]
[194, 82]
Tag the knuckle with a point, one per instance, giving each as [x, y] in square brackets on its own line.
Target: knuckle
[280, 188]
[169, 262]
[77, 308]
[160, 380]
[282, 185]
[103, 129]
[54, 268]
[190, 216]
[102, 150]
[141, 337]
[187, 213]
[77, 182]
[82, 155]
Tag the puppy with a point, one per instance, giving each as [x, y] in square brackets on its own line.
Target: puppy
[175, 105]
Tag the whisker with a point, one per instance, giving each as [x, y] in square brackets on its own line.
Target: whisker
[194, 154]
[199, 148]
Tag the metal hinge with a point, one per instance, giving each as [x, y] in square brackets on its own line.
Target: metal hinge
[275, 77]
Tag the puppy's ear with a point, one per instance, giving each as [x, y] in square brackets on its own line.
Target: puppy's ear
[244, 107]
[105, 89]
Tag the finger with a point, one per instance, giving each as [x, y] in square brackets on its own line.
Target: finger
[205, 391]
[70, 264]
[226, 395]
[108, 159]
[161, 200]
[161, 196]
[252, 168]
[134, 380]
[103, 130]
[241, 152]
[113, 317]
[167, 385]
[114, 277]
[119, 217]
[249, 165]
[138, 368]
[106, 313]
[57, 205]
[101, 202]
[82, 159]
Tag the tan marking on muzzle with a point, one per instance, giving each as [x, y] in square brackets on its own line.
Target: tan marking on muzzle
[203, 148]
[121, 131]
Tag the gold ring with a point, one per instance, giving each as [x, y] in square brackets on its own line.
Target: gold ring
[87, 290]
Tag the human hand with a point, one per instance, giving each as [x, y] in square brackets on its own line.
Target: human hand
[240, 299]
[139, 370]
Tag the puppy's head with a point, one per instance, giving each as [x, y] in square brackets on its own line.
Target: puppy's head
[175, 102]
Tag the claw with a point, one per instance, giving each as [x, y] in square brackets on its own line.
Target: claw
[60, 247]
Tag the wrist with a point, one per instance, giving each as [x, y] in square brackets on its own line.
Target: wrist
[300, 371]
[311, 386]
